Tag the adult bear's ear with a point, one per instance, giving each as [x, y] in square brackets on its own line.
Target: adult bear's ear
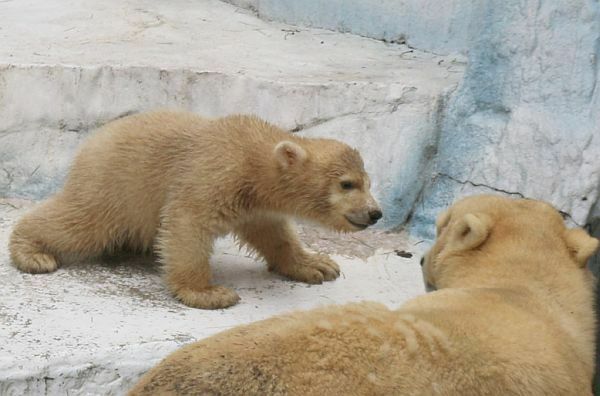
[289, 154]
[470, 231]
[581, 245]
[442, 221]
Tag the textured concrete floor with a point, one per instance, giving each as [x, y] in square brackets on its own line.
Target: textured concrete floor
[95, 327]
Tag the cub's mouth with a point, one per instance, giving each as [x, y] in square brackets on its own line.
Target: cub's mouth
[360, 226]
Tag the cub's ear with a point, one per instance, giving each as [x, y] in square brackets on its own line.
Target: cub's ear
[289, 154]
[470, 231]
[442, 221]
[580, 245]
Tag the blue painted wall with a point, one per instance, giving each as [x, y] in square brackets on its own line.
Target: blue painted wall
[438, 26]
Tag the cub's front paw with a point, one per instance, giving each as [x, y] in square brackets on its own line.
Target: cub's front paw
[211, 297]
[312, 268]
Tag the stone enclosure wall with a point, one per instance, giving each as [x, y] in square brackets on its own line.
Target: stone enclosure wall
[525, 119]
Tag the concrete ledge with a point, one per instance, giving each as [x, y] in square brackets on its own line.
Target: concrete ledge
[94, 328]
[429, 25]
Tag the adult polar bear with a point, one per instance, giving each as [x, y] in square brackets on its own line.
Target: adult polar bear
[179, 181]
[513, 315]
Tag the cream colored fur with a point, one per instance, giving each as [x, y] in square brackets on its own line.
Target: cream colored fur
[513, 316]
[175, 182]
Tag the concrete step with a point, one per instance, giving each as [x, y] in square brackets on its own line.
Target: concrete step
[74, 65]
[94, 328]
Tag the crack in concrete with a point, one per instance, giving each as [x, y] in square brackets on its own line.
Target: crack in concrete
[564, 214]
[10, 178]
[388, 107]
[465, 182]
[81, 127]
[8, 204]
[319, 121]
[316, 122]
[34, 171]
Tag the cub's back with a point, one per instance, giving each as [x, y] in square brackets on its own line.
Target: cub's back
[134, 152]
[123, 171]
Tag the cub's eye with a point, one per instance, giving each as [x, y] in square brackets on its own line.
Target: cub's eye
[347, 185]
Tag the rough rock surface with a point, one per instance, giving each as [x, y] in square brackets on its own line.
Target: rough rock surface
[526, 118]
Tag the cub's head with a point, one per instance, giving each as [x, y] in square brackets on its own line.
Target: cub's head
[498, 234]
[324, 180]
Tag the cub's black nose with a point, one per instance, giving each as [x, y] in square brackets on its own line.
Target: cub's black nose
[375, 215]
[422, 261]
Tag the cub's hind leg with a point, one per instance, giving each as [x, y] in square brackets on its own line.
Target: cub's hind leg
[54, 229]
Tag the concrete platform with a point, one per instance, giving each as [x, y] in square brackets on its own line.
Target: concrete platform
[94, 328]
[69, 66]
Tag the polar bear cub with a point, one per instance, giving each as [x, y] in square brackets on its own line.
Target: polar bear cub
[174, 181]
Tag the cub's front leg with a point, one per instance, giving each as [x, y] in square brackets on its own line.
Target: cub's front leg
[185, 244]
[274, 238]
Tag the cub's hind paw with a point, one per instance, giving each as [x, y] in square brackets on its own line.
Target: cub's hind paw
[36, 263]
